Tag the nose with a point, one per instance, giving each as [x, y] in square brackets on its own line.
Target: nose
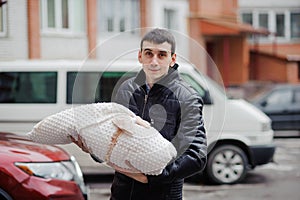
[154, 60]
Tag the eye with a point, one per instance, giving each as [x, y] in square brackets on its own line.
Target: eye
[162, 55]
[148, 53]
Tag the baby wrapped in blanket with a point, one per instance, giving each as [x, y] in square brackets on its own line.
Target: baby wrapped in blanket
[112, 133]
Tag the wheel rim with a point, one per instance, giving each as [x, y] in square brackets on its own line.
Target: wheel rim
[228, 166]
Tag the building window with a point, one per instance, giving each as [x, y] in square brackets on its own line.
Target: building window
[3, 19]
[65, 13]
[295, 25]
[247, 18]
[280, 25]
[170, 19]
[263, 21]
[286, 24]
[62, 15]
[118, 16]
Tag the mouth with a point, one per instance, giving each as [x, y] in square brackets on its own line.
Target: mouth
[153, 70]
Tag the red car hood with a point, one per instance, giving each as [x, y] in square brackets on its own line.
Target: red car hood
[27, 151]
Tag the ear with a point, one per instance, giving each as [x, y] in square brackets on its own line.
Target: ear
[124, 122]
[173, 61]
[140, 56]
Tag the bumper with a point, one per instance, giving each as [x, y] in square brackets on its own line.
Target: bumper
[262, 154]
[44, 189]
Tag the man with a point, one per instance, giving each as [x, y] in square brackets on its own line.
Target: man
[159, 96]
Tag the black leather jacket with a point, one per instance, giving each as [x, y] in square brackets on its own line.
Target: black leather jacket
[175, 110]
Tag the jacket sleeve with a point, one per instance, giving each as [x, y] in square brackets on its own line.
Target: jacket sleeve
[190, 142]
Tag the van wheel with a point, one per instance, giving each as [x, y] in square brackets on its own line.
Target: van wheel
[227, 164]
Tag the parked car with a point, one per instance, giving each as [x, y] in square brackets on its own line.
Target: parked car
[282, 105]
[34, 171]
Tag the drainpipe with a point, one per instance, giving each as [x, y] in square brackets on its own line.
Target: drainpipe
[33, 27]
[226, 60]
[92, 27]
[274, 44]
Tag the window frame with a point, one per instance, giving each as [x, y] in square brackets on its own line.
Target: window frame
[58, 28]
[272, 22]
[131, 17]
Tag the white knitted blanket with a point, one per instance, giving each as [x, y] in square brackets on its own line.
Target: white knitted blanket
[110, 132]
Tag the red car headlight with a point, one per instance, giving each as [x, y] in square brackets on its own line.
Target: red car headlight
[57, 170]
[63, 170]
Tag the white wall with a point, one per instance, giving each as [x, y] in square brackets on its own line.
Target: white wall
[118, 45]
[269, 3]
[14, 45]
[63, 46]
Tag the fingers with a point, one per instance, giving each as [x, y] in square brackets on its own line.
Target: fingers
[138, 177]
[132, 173]
[142, 122]
[122, 170]
[72, 139]
[80, 143]
[133, 169]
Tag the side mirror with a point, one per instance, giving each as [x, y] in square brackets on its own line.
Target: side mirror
[264, 103]
[207, 98]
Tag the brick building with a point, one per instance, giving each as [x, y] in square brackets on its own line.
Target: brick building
[275, 57]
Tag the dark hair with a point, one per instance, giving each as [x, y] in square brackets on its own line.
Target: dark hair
[159, 36]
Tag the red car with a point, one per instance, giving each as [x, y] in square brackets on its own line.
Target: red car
[34, 171]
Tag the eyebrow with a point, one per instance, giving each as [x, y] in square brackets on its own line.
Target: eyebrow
[161, 51]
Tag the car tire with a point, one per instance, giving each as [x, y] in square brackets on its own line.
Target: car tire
[226, 164]
[4, 195]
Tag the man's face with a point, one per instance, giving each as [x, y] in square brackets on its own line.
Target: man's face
[156, 60]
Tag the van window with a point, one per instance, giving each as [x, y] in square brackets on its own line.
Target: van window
[28, 87]
[193, 83]
[92, 87]
[204, 94]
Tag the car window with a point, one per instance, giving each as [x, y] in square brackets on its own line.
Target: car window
[193, 83]
[91, 87]
[28, 87]
[279, 97]
[297, 96]
[205, 95]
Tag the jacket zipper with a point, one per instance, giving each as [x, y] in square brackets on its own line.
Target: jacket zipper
[145, 102]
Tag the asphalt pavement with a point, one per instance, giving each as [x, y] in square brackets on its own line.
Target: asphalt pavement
[274, 181]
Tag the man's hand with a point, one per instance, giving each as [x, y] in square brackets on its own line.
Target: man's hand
[80, 143]
[133, 173]
[137, 176]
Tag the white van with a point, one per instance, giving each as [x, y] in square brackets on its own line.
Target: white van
[239, 135]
